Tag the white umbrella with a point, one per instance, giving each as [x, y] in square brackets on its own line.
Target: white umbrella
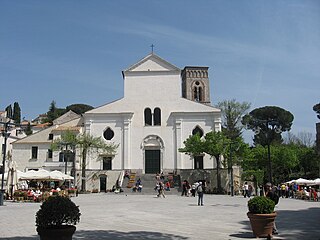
[12, 178]
[301, 181]
[59, 175]
[316, 181]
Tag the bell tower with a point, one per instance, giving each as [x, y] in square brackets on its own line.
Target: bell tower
[195, 84]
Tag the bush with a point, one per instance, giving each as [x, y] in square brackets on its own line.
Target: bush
[261, 205]
[57, 211]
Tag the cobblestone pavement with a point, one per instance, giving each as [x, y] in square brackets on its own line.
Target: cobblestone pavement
[117, 216]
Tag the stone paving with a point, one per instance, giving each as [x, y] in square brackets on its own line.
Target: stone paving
[120, 216]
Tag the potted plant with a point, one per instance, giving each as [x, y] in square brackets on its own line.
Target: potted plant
[56, 218]
[262, 215]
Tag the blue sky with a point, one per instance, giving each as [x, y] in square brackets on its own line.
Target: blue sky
[73, 51]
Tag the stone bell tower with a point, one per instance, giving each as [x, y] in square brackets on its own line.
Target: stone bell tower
[195, 84]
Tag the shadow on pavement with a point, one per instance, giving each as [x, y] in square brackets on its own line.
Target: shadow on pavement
[292, 224]
[36, 237]
[106, 235]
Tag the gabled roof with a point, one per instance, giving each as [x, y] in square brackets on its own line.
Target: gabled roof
[68, 116]
[42, 136]
[151, 62]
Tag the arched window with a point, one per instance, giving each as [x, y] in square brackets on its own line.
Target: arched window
[198, 130]
[147, 117]
[197, 92]
[157, 117]
[108, 134]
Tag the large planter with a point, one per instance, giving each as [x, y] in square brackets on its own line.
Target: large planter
[262, 224]
[64, 232]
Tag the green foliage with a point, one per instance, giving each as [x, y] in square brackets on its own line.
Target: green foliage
[16, 113]
[28, 130]
[87, 143]
[256, 176]
[9, 111]
[316, 108]
[275, 116]
[261, 205]
[215, 144]
[232, 112]
[193, 145]
[57, 211]
[79, 108]
[54, 112]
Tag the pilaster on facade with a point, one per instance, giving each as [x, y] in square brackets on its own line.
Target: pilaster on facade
[178, 143]
[126, 145]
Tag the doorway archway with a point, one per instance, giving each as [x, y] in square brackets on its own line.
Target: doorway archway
[152, 147]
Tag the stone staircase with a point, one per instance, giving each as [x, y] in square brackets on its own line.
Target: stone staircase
[148, 182]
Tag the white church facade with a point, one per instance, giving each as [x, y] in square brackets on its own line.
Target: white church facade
[161, 107]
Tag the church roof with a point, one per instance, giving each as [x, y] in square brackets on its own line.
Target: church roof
[151, 62]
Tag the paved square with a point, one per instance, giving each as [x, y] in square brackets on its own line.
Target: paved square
[117, 216]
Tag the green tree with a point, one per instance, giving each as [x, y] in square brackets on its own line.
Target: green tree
[16, 113]
[215, 145]
[54, 112]
[193, 145]
[268, 120]
[316, 108]
[79, 108]
[9, 111]
[232, 113]
[28, 130]
[87, 144]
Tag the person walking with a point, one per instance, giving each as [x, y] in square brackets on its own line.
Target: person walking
[200, 194]
[161, 190]
[246, 190]
[272, 194]
[184, 188]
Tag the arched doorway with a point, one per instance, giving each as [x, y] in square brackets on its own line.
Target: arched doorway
[103, 183]
[152, 146]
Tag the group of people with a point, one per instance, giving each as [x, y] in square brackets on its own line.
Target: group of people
[293, 190]
[192, 190]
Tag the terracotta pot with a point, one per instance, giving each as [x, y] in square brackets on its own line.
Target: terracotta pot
[262, 224]
[65, 232]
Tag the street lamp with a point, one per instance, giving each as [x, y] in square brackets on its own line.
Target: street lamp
[270, 126]
[5, 134]
[230, 167]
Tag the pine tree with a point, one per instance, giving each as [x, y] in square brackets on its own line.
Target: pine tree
[9, 111]
[16, 113]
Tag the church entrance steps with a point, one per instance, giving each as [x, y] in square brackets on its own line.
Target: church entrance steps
[148, 181]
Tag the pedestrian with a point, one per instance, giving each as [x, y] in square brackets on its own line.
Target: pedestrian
[246, 190]
[161, 190]
[200, 194]
[126, 175]
[184, 188]
[273, 195]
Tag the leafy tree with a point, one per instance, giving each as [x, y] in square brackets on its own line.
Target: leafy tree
[284, 159]
[79, 108]
[16, 113]
[54, 112]
[87, 144]
[215, 146]
[265, 117]
[28, 130]
[232, 112]
[9, 111]
[316, 108]
[193, 145]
